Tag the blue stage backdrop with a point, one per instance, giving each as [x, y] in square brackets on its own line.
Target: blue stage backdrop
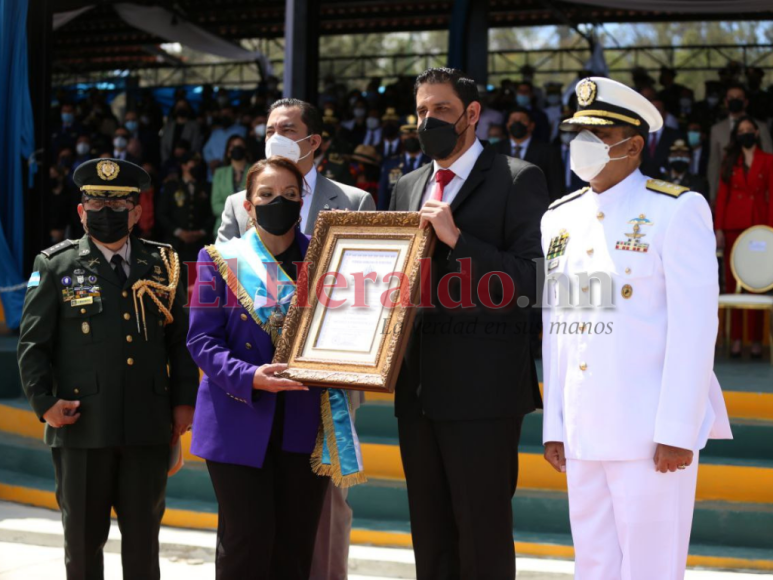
[16, 144]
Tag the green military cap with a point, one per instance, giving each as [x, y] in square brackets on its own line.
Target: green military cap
[110, 178]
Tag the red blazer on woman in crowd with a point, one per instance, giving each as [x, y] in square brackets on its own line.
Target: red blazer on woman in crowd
[745, 201]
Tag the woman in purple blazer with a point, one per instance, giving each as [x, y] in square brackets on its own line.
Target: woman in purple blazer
[256, 431]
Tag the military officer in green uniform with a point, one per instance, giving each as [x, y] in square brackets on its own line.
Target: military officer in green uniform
[103, 362]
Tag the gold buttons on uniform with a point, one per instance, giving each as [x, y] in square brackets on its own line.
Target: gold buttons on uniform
[243, 316]
[129, 338]
[127, 316]
[125, 294]
[85, 328]
[627, 291]
[600, 215]
[584, 288]
[583, 366]
[83, 311]
[248, 345]
[627, 270]
[76, 391]
[590, 251]
[130, 361]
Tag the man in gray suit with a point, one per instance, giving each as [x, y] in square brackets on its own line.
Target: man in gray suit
[300, 122]
[736, 102]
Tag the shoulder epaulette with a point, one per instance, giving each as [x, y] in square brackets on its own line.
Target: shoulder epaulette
[666, 188]
[568, 198]
[153, 243]
[48, 252]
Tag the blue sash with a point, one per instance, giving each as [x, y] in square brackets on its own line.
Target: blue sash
[246, 265]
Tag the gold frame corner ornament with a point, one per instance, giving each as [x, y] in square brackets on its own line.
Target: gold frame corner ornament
[108, 170]
[586, 92]
[329, 229]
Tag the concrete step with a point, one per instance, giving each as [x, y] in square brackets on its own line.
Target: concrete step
[724, 533]
[741, 471]
[752, 439]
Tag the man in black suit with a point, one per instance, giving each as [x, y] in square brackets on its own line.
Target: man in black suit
[655, 155]
[522, 145]
[697, 139]
[467, 378]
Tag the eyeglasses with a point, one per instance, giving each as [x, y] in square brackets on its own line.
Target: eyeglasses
[118, 205]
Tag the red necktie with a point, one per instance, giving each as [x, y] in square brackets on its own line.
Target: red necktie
[442, 178]
[653, 144]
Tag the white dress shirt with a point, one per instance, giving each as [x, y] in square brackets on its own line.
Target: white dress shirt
[654, 136]
[125, 252]
[391, 147]
[524, 146]
[695, 166]
[372, 137]
[461, 168]
[308, 195]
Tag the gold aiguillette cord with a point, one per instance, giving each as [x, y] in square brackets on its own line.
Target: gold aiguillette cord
[149, 287]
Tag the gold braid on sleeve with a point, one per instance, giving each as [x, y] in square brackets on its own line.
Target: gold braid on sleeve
[150, 287]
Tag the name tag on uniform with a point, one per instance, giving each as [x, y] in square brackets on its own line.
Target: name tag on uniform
[82, 301]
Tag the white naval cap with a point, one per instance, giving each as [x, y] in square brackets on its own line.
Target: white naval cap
[605, 102]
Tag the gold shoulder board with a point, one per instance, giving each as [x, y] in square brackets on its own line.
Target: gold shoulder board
[568, 198]
[664, 187]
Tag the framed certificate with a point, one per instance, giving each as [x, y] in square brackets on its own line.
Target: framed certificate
[353, 310]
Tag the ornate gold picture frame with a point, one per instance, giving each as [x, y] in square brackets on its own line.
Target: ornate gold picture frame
[353, 310]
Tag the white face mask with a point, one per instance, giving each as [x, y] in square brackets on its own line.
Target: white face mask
[589, 155]
[279, 146]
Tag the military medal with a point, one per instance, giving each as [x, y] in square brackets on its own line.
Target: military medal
[633, 244]
[179, 197]
[556, 249]
[85, 328]
[82, 301]
[66, 281]
[92, 279]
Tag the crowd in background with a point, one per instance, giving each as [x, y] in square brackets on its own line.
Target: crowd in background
[198, 156]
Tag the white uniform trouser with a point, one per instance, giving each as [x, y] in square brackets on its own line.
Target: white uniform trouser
[630, 522]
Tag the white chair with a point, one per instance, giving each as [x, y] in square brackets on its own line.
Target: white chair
[751, 261]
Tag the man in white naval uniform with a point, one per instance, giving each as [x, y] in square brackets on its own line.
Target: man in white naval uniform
[628, 347]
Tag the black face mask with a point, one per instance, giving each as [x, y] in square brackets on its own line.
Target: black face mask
[518, 130]
[679, 166]
[107, 226]
[412, 145]
[438, 138]
[278, 216]
[735, 105]
[237, 153]
[747, 140]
